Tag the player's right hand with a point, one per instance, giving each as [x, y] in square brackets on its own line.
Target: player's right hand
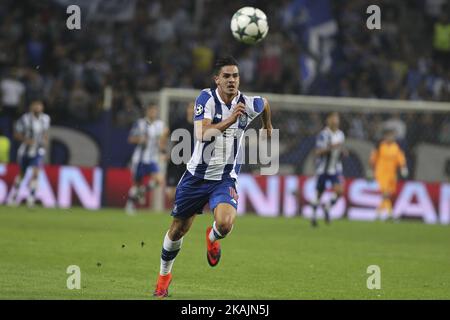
[29, 142]
[335, 146]
[238, 111]
[143, 140]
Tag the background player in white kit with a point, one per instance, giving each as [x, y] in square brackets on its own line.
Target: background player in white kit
[329, 149]
[32, 132]
[149, 134]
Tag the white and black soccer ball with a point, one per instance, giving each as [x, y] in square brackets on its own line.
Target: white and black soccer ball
[249, 25]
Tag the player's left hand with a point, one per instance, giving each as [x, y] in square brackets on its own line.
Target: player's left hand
[238, 111]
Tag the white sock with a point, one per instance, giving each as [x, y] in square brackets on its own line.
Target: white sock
[215, 235]
[316, 201]
[15, 188]
[17, 181]
[33, 187]
[133, 193]
[169, 252]
[151, 185]
[333, 200]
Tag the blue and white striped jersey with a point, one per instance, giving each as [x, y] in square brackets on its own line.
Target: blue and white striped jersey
[223, 155]
[329, 163]
[35, 128]
[147, 152]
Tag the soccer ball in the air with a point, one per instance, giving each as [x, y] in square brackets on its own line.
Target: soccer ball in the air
[249, 25]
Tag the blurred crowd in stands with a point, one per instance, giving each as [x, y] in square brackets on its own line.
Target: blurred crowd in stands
[173, 44]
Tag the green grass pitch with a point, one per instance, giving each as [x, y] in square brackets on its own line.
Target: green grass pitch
[263, 258]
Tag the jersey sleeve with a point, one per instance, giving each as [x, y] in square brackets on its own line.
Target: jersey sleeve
[20, 125]
[203, 106]
[401, 160]
[161, 127]
[321, 140]
[47, 124]
[136, 129]
[255, 105]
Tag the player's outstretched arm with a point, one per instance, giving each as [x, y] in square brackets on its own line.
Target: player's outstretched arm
[205, 129]
[266, 118]
[402, 164]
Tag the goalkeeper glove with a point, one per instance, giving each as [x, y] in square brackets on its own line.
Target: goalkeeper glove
[369, 174]
[404, 172]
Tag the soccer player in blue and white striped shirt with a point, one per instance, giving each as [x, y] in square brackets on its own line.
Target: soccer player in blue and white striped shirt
[150, 135]
[221, 116]
[329, 149]
[31, 131]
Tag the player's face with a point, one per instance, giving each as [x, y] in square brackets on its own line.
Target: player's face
[37, 107]
[390, 137]
[152, 113]
[334, 121]
[228, 80]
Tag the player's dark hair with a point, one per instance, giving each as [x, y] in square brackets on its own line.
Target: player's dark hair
[332, 113]
[328, 116]
[388, 131]
[224, 61]
[36, 100]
